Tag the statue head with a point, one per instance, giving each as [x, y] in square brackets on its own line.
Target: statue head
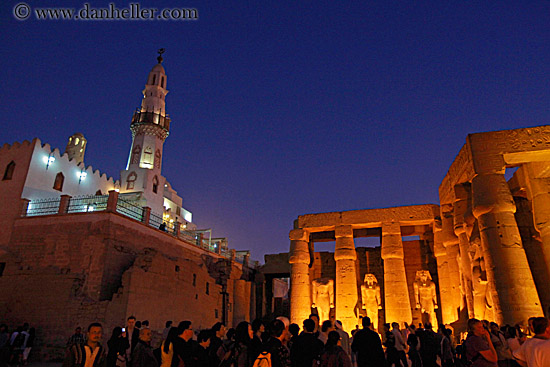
[423, 276]
[370, 280]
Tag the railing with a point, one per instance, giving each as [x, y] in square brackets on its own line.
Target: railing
[129, 205]
[43, 207]
[88, 203]
[129, 209]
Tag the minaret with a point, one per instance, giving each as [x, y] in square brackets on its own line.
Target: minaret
[76, 147]
[150, 126]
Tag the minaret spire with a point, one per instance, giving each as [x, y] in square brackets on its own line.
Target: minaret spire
[159, 58]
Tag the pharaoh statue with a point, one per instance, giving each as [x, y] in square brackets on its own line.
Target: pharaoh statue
[370, 298]
[425, 295]
[323, 297]
[483, 309]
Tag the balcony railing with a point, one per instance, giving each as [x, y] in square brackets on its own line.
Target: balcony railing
[129, 205]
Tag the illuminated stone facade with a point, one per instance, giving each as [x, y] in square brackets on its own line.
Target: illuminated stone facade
[486, 246]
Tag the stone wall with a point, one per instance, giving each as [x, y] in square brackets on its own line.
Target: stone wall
[64, 271]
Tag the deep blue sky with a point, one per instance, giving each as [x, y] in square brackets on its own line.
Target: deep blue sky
[282, 108]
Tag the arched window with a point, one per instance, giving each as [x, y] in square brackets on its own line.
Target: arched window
[147, 161]
[130, 180]
[162, 82]
[154, 78]
[135, 154]
[8, 173]
[157, 159]
[155, 184]
[58, 183]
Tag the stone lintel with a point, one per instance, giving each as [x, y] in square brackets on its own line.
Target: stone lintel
[369, 218]
[298, 235]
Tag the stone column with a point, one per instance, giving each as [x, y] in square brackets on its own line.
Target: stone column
[539, 189]
[346, 277]
[146, 215]
[24, 207]
[515, 298]
[461, 209]
[445, 293]
[396, 293]
[300, 285]
[450, 241]
[64, 204]
[112, 201]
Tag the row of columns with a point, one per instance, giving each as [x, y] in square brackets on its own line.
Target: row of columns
[510, 283]
[486, 203]
[397, 302]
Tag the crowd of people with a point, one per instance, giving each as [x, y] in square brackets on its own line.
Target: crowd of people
[280, 344]
[16, 346]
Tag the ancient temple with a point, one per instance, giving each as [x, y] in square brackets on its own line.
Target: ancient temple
[483, 252]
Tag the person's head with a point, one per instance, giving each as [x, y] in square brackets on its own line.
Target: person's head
[285, 321]
[338, 325]
[145, 323]
[366, 322]
[493, 326]
[412, 327]
[145, 335]
[395, 325]
[475, 327]
[276, 328]
[168, 324]
[185, 330]
[541, 327]
[243, 333]
[294, 329]
[327, 327]
[428, 326]
[447, 332]
[172, 335]
[230, 334]
[117, 332]
[315, 319]
[386, 326]
[258, 326]
[95, 332]
[204, 338]
[512, 332]
[219, 329]
[309, 325]
[138, 324]
[78, 330]
[131, 322]
[333, 339]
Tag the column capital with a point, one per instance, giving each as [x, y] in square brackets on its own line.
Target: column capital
[298, 235]
[343, 231]
[490, 193]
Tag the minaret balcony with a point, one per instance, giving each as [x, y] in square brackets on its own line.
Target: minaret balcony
[150, 117]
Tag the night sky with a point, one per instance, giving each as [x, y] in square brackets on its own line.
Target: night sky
[283, 108]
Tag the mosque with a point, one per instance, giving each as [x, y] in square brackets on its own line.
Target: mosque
[77, 246]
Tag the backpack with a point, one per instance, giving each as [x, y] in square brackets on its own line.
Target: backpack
[263, 360]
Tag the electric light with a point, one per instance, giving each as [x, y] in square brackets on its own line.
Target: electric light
[48, 160]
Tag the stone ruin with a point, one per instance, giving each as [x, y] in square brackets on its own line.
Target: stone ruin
[483, 252]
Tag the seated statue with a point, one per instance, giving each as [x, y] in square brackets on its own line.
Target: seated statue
[323, 297]
[370, 298]
[425, 295]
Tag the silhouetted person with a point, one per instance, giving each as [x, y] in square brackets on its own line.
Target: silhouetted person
[368, 346]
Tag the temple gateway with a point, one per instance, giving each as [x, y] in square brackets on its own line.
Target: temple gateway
[483, 252]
